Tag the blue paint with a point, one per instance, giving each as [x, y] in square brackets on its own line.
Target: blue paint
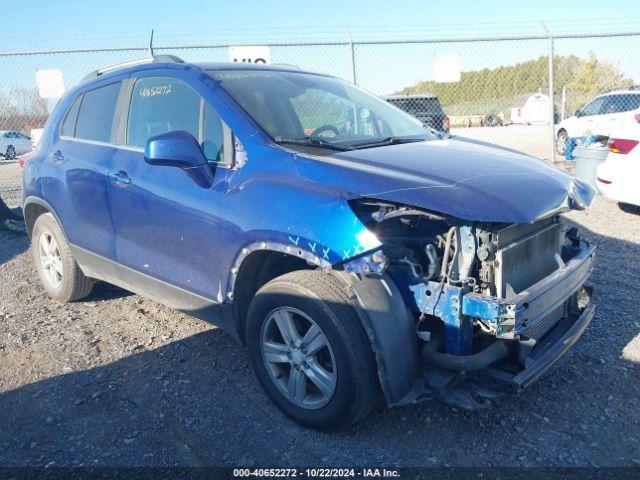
[486, 308]
[294, 241]
[445, 301]
[166, 225]
[365, 264]
[456, 176]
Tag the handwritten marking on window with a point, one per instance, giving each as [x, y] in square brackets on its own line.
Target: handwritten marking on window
[154, 91]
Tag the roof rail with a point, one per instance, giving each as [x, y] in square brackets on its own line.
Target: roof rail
[286, 65]
[131, 63]
[625, 87]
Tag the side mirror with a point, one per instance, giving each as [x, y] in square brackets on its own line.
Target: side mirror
[180, 149]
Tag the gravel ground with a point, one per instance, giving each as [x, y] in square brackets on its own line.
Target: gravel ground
[117, 380]
[10, 182]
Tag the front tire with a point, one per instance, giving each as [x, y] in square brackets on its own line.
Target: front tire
[310, 352]
[59, 273]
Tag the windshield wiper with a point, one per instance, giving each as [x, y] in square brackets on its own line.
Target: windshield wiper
[381, 142]
[312, 142]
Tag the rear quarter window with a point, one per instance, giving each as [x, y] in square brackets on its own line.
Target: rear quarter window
[69, 123]
[95, 117]
[623, 102]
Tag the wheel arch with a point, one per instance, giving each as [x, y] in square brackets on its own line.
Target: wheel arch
[33, 207]
[256, 265]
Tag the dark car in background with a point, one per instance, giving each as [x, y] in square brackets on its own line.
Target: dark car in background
[425, 107]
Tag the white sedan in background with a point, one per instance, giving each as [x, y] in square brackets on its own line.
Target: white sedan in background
[603, 115]
[14, 143]
[618, 177]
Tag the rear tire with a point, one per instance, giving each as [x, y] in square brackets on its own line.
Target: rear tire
[491, 120]
[629, 208]
[308, 298]
[561, 142]
[10, 154]
[59, 273]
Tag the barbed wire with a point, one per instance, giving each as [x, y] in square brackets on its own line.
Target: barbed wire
[576, 26]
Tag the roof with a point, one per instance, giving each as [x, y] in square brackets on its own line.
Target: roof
[631, 90]
[419, 95]
[144, 63]
[250, 66]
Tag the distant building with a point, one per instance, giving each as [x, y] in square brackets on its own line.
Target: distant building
[535, 109]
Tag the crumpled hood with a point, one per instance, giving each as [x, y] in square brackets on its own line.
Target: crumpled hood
[463, 178]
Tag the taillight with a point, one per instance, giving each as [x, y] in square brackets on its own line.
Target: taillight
[24, 158]
[637, 117]
[445, 124]
[621, 145]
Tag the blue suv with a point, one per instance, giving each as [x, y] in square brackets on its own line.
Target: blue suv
[356, 253]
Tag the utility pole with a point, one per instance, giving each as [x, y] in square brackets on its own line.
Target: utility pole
[352, 56]
[552, 129]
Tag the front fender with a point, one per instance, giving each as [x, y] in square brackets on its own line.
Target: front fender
[319, 227]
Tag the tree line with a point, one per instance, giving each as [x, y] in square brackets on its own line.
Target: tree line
[582, 78]
[22, 109]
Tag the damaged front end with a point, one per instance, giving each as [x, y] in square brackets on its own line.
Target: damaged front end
[493, 305]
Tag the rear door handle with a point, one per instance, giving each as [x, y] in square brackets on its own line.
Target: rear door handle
[57, 156]
[120, 178]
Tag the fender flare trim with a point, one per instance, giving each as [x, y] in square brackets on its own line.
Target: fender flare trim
[33, 200]
[390, 327]
[269, 246]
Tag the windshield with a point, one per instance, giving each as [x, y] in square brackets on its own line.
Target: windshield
[303, 108]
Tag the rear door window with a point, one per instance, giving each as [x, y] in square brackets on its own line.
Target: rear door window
[160, 105]
[95, 118]
[622, 103]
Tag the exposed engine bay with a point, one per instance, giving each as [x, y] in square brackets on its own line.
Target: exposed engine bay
[481, 294]
[492, 259]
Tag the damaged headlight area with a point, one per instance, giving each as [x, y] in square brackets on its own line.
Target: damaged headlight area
[414, 241]
[490, 301]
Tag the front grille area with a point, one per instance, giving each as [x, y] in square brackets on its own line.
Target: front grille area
[526, 254]
[542, 326]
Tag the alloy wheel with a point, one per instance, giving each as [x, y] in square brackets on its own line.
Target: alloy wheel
[50, 259]
[298, 358]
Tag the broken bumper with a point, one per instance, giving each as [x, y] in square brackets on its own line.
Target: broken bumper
[545, 355]
[471, 390]
[543, 322]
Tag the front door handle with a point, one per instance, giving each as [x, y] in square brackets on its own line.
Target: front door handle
[121, 178]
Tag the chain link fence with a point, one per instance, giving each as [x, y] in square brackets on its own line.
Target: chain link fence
[498, 90]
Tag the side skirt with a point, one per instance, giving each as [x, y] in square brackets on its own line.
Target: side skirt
[100, 268]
